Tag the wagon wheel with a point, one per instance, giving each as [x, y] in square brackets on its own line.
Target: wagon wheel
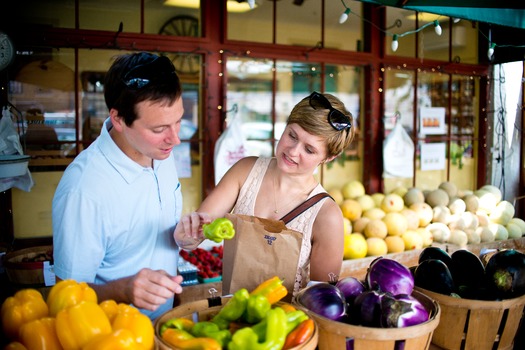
[183, 25]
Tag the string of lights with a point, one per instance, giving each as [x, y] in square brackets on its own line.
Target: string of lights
[396, 36]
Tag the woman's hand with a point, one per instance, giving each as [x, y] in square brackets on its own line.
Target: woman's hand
[188, 232]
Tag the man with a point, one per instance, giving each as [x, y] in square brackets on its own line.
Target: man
[117, 204]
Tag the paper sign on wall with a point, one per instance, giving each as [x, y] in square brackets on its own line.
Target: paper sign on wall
[432, 120]
[433, 156]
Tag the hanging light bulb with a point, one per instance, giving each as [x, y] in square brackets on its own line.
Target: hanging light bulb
[344, 16]
[395, 44]
[456, 20]
[437, 28]
[490, 52]
[251, 3]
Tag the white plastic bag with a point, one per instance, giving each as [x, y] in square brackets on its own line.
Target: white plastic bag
[398, 153]
[230, 147]
[10, 145]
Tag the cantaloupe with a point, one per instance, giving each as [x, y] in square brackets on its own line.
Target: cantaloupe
[376, 228]
[413, 195]
[412, 218]
[376, 246]
[353, 189]
[458, 237]
[437, 197]
[374, 213]
[360, 224]
[412, 240]
[471, 202]
[395, 244]
[351, 209]
[366, 202]
[450, 188]
[392, 203]
[396, 224]
[378, 198]
[425, 213]
[426, 236]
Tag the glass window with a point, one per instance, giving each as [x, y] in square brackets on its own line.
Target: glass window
[445, 131]
[162, 18]
[343, 36]
[299, 24]
[42, 91]
[111, 16]
[36, 13]
[253, 25]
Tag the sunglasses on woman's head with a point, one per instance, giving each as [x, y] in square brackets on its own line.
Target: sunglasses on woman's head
[160, 69]
[337, 119]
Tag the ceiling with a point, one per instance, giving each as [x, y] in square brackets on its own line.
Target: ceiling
[509, 13]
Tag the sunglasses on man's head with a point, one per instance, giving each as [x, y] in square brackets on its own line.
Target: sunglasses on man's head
[160, 69]
[337, 119]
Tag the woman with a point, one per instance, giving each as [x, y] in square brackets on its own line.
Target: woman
[318, 129]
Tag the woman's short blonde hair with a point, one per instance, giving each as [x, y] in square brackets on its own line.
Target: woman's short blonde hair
[315, 122]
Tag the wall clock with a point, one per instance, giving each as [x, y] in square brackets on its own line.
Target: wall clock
[7, 51]
[183, 26]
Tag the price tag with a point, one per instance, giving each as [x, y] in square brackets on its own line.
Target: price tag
[49, 274]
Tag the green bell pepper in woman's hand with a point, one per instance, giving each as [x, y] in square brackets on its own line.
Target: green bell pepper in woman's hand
[219, 230]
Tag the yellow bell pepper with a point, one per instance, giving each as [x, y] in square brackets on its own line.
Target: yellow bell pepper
[129, 317]
[121, 339]
[15, 345]
[68, 293]
[80, 323]
[110, 308]
[24, 306]
[40, 334]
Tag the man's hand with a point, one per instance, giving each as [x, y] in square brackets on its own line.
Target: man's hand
[149, 289]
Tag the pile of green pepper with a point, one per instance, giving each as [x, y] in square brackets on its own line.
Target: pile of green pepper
[263, 326]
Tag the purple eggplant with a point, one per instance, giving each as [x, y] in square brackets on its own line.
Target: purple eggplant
[505, 274]
[402, 311]
[366, 310]
[351, 288]
[324, 299]
[389, 276]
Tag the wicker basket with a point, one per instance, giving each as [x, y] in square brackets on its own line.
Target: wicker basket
[201, 311]
[476, 324]
[27, 274]
[335, 335]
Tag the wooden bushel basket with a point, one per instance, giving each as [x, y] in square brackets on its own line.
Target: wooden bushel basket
[201, 311]
[27, 274]
[335, 335]
[476, 324]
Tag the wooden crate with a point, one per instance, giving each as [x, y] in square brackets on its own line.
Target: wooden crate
[201, 311]
[468, 324]
[335, 335]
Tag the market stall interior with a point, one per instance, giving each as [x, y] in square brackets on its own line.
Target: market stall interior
[435, 89]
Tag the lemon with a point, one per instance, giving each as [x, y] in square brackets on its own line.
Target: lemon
[355, 246]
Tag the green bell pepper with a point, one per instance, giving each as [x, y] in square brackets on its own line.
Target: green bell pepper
[293, 319]
[219, 230]
[256, 308]
[209, 329]
[275, 334]
[233, 310]
[181, 323]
